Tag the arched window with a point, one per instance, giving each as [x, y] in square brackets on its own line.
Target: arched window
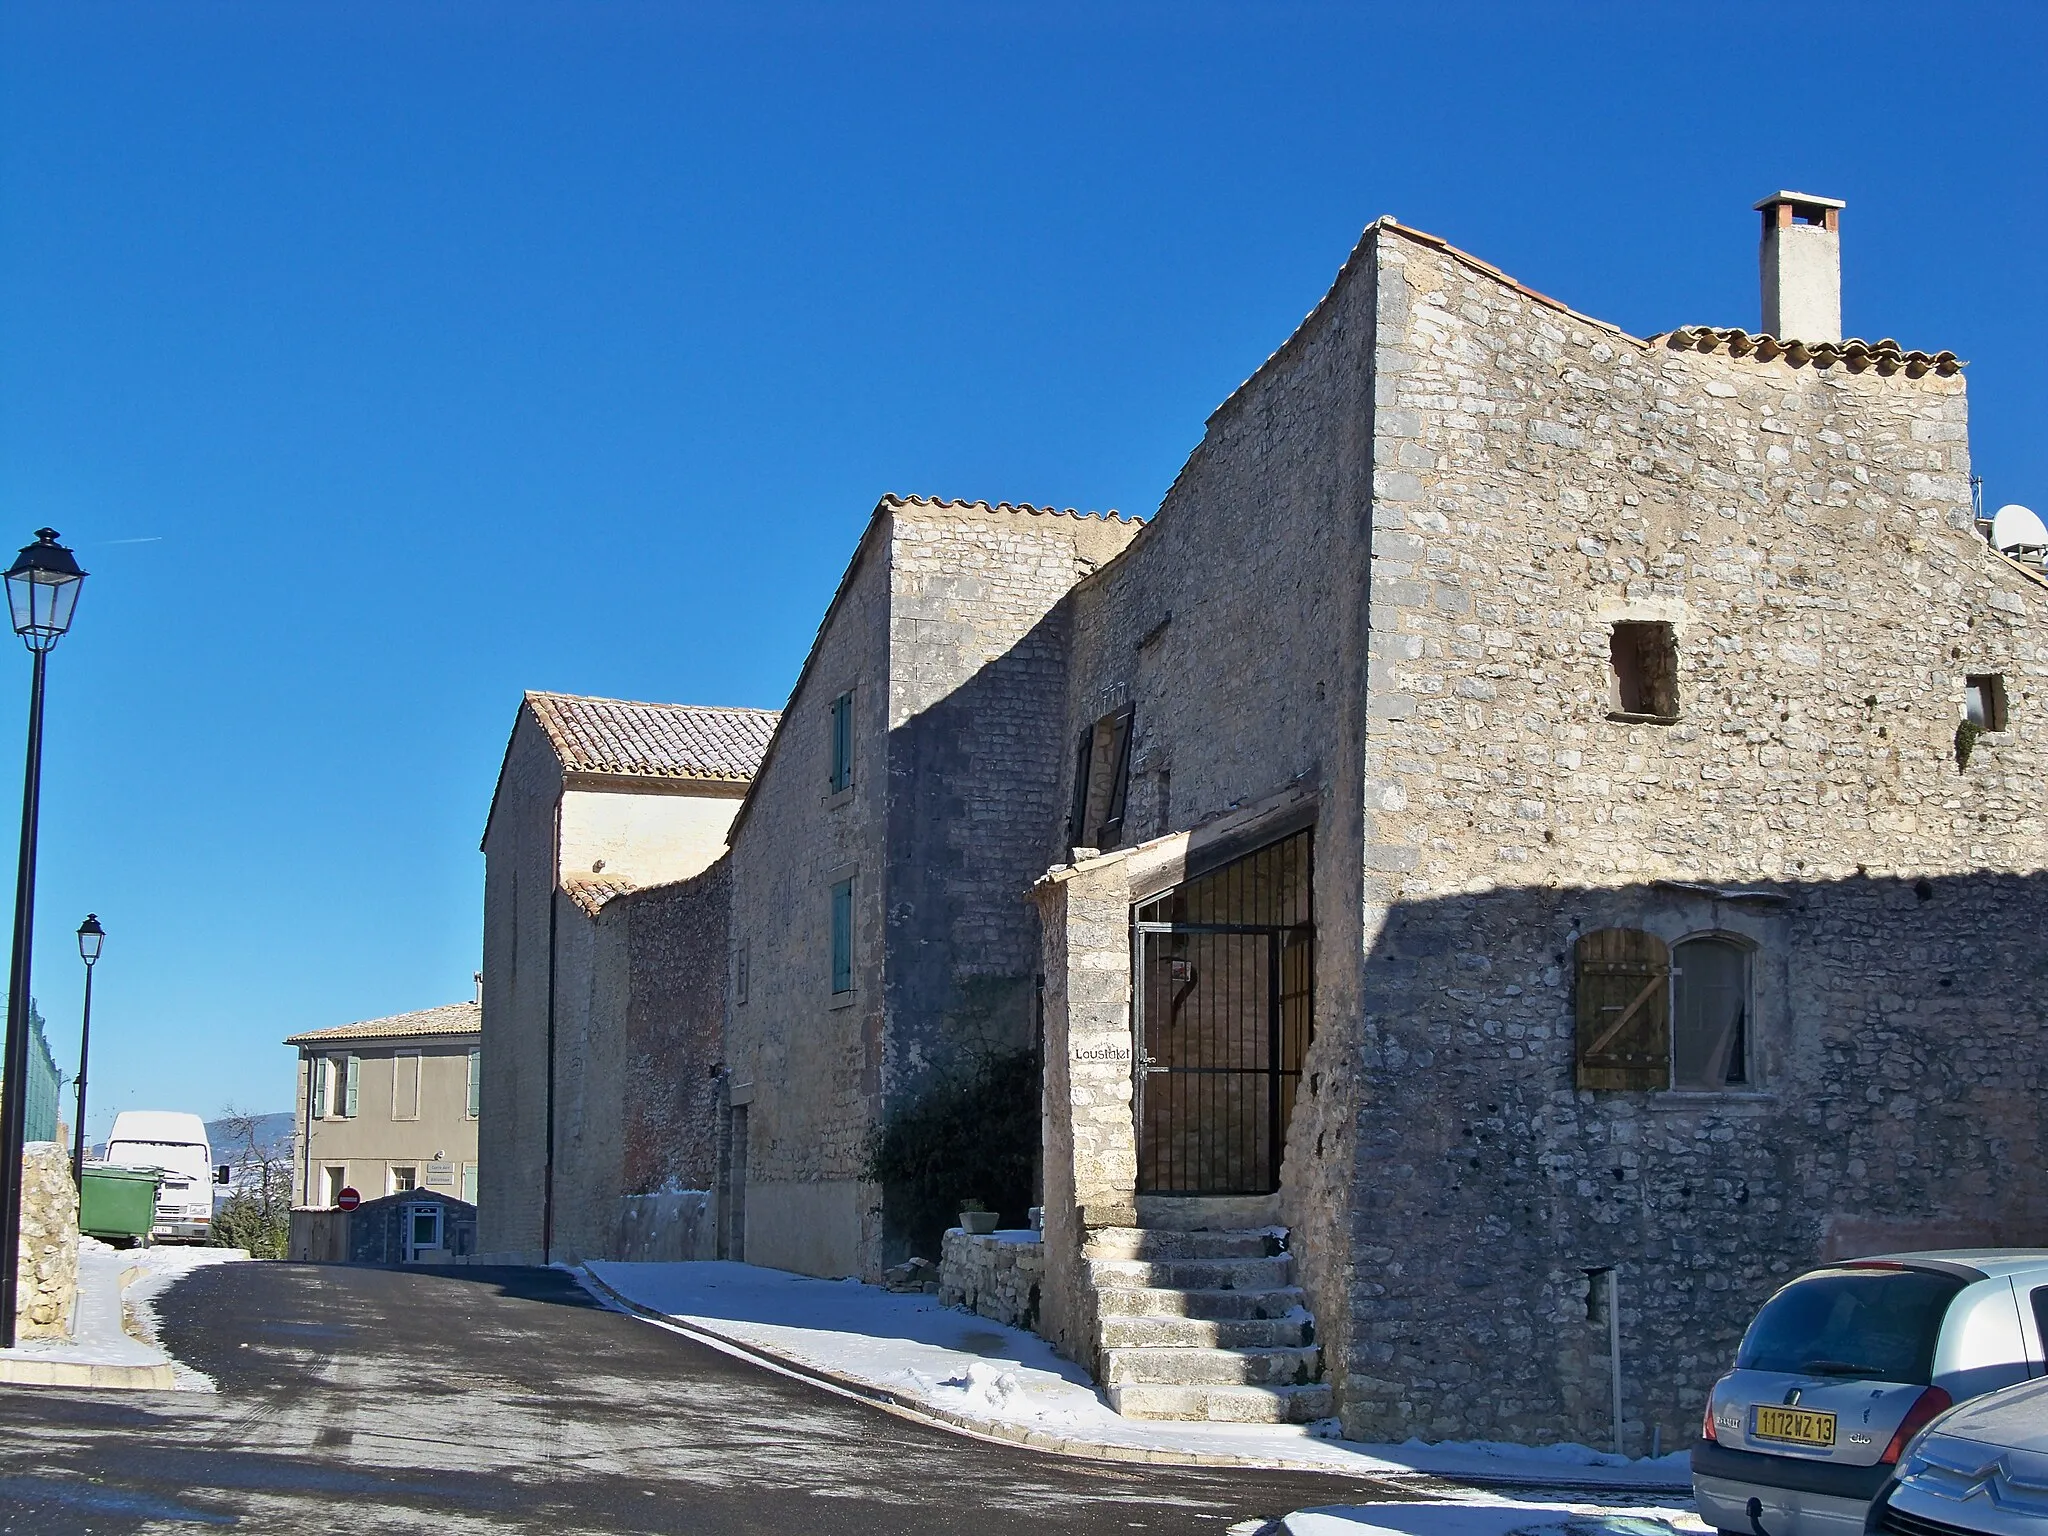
[1709, 1015]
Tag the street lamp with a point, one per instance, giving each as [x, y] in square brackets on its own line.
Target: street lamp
[90, 937]
[42, 591]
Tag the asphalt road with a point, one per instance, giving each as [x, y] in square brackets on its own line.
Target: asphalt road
[356, 1400]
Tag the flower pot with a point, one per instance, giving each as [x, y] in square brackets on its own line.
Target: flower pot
[980, 1223]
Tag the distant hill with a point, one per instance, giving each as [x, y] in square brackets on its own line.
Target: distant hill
[273, 1133]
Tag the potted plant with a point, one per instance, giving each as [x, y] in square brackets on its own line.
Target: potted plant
[977, 1218]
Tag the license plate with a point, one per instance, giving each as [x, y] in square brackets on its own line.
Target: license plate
[1795, 1426]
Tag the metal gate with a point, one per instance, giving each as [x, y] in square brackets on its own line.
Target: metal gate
[1222, 983]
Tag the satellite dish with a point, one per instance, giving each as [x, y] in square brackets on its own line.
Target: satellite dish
[2017, 527]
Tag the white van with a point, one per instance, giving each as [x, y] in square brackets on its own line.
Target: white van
[175, 1142]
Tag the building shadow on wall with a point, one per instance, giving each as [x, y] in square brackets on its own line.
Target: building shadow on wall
[1703, 1089]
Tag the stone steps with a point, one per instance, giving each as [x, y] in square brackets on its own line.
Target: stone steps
[1261, 1274]
[1138, 1243]
[1223, 1405]
[1151, 1301]
[1182, 1366]
[1154, 1330]
[1199, 1318]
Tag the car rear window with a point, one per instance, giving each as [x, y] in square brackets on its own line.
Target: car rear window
[1879, 1324]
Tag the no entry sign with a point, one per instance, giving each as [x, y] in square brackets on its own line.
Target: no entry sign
[348, 1199]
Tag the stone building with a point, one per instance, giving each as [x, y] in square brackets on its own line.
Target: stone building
[880, 860]
[1537, 806]
[1656, 734]
[604, 959]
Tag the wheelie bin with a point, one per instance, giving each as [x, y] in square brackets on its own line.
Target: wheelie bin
[118, 1205]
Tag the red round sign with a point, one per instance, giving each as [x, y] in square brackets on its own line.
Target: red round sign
[348, 1199]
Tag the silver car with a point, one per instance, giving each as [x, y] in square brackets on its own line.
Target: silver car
[1978, 1470]
[1844, 1366]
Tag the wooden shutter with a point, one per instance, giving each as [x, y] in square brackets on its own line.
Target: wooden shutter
[352, 1081]
[1624, 1010]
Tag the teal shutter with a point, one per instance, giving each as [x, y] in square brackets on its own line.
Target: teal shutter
[476, 1081]
[316, 1067]
[353, 1077]
[842, 937]
[842, 742]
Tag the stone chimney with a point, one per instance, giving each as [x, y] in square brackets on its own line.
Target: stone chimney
[1802, 267]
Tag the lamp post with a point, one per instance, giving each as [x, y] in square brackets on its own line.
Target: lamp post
[42, 591]
[90, 937]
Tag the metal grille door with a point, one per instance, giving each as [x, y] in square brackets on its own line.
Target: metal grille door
[1222, 980]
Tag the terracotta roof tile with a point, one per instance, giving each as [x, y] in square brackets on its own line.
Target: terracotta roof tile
[661, 741]
[1886, 356]
[591, 892]
[892, 501]
[448, 1019]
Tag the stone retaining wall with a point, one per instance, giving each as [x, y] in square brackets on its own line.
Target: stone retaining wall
[48, 1273]
[996, 1276]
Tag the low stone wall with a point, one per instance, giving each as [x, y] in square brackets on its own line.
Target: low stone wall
[671, 1226]
[48, 1272]
[996, 1276]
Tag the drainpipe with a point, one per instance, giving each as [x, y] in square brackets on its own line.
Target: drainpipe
[1611, 1273]
[547, 1195]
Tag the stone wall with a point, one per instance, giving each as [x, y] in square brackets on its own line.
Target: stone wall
[943, 632]
[996, 1276]
[977, 700]
[668, 1226]
[639, 1070]
[806, 1066]
[47, 1275]
[520, 882]
[1234, 628]
[1806, 531]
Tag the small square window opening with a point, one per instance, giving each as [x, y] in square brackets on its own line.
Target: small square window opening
[1645, 661]
[1984, 701]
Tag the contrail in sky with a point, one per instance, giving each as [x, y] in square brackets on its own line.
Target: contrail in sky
[155, 538]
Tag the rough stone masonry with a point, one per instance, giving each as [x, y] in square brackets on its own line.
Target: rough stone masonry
[1417, 572]
[47, 1281]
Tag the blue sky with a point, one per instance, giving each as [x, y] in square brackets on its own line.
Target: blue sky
[381, 360]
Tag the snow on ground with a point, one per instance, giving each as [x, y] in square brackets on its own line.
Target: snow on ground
[1506, 1517]
[115, 1324]
[1005, 1380]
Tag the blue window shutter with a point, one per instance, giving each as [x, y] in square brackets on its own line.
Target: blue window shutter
[842, 937]
[476, 1080]
[842, 742]
[353, 1076]
[316, 1067]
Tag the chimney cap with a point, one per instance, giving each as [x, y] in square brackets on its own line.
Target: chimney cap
[1800, 199]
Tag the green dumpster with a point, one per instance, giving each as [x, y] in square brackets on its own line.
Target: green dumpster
[118, 1204]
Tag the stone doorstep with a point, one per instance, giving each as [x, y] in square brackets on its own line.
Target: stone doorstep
[75, 1373]
[1138, 1243]
[1155, 1331]
[1261, 1274]
[1180, 1366]
[1146, 1301]
[1223, 1404]
[1207, 1213]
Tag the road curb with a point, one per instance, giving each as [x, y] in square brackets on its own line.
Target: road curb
[906, 1406]
[75, 1373]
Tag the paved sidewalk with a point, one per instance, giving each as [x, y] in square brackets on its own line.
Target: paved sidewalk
[1504, 1517]
[945, 1364]
[113, 1333]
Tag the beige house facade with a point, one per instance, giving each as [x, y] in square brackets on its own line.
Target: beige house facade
[389, 1105]
[601, 1039]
